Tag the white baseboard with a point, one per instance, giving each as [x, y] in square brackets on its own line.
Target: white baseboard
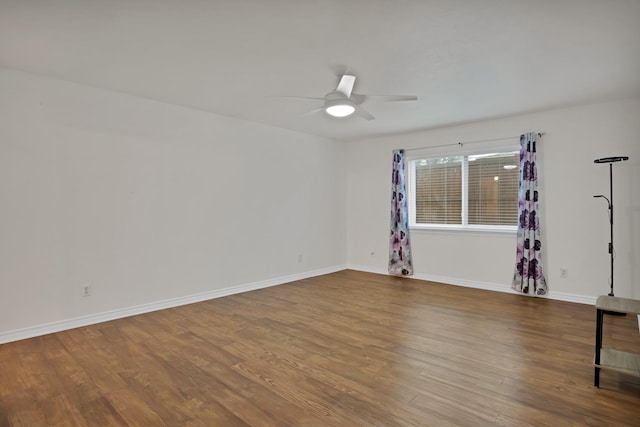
[560, 296]
[91, 319]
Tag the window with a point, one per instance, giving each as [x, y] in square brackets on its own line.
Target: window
[465, 191]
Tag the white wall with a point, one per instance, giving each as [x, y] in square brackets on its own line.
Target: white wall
[575, 226]
[148, 202]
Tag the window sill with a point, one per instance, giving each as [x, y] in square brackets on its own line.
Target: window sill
[504, 231]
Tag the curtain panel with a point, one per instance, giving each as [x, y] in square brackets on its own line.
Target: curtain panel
[399, 246]
[528, 277]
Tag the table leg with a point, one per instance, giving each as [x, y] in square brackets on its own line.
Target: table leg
[599, 328]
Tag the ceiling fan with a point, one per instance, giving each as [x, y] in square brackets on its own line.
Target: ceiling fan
[342, 102]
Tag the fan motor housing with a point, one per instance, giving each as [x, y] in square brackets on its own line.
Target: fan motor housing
[336, 96]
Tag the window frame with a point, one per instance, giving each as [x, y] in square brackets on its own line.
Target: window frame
[426, 153]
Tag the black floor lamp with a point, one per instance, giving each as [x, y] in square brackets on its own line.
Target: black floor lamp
[611, 161]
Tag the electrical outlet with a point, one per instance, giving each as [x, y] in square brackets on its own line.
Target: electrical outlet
[85, 291]
[564, 273]
[299, 257]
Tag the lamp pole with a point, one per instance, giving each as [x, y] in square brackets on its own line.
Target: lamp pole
[609, 200]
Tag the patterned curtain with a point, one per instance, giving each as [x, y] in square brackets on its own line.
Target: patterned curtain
[399, 247]
[528, 277]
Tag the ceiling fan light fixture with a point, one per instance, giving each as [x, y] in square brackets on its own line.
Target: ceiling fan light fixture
[342, 108]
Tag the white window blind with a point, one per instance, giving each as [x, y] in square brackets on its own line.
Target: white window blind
[493, 189]
[438, 190]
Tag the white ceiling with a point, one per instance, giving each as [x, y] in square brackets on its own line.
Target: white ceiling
[465, 60]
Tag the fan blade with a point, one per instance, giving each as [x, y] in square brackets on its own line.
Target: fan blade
[358, 98]
[361, 112]
[315, 110]
[346, 84]
[301, 97]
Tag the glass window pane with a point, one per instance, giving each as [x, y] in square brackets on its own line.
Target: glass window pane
[438, 189]
[493, 189]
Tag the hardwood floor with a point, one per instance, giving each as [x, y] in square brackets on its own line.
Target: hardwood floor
[345, 349]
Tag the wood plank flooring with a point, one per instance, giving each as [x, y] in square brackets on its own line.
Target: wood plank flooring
[345, 349]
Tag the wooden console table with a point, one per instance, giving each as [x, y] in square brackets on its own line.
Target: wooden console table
[608, 358]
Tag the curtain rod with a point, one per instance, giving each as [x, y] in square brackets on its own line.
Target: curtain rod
[470, 142]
